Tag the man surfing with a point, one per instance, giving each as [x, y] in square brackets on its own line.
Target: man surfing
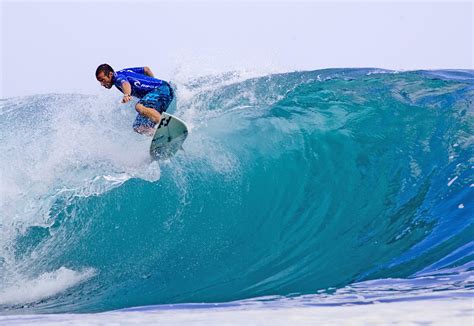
[155, 95]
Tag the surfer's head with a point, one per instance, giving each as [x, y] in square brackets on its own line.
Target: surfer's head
[105, 75]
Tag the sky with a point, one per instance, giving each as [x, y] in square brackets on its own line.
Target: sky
[55, 46]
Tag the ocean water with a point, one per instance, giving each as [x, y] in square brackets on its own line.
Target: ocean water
[329, 189]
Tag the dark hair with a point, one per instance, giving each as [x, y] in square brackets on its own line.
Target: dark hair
[105, 68]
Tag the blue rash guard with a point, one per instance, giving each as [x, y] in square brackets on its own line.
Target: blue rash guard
[153, 93]
[141, 83]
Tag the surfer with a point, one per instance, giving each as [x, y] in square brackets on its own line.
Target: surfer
[155, 95]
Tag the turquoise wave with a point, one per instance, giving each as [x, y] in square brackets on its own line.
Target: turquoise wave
[288, 183]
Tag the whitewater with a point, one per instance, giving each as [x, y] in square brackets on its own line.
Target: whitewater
[299, 197]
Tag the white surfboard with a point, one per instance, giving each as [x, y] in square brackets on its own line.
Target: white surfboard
[169, 136]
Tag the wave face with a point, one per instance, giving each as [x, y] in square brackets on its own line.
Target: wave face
[288, 183]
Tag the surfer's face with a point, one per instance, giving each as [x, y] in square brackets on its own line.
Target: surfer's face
[105, 80]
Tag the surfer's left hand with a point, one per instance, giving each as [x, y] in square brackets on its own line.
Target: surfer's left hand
[126, 98]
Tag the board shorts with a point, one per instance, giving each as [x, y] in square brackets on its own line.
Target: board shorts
[158, 99]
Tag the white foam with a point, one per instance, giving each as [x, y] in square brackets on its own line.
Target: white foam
[43, 286]
[452, 180]
[455, 311]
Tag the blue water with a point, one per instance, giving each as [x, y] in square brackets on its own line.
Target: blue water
[289, 184]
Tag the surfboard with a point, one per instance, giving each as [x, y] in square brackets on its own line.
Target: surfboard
[169, 136]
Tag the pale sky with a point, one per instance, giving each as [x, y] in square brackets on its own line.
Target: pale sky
[55, 47]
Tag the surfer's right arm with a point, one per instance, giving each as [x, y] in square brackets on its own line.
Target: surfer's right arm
[127, 91]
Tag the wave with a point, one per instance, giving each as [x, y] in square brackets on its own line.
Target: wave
[288, 183]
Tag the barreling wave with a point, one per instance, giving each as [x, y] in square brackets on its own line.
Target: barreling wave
[288, 183]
